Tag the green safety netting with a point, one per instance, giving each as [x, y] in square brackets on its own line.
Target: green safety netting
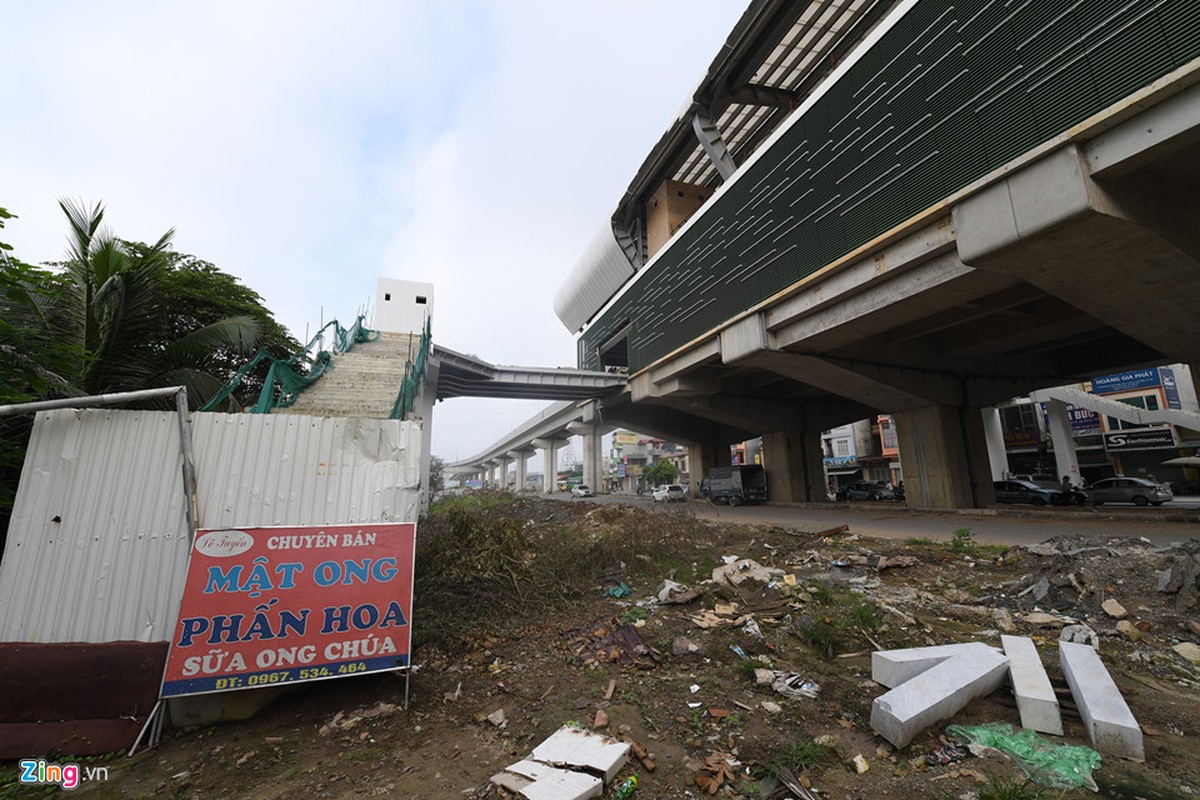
[412, 379]
[284, 381]
[1050, 765]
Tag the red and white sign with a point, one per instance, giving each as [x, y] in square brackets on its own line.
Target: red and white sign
[265, 606]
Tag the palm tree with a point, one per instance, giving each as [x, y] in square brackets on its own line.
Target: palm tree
[113, 299]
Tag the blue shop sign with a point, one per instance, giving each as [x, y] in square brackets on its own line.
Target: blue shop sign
[1170, 388]
[1125, 381]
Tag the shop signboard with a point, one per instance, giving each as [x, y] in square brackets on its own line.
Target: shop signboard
[1140, 439]
[268, 606]
[1125, 381]
[1170, 387]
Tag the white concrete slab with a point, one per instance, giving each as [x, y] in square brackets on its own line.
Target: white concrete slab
[937, 694]
[1109, 722]
[538, 781]
[579, 749]
[893, 667]
[1031, 686]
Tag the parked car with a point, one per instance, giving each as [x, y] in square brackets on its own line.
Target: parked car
[669, 493]
[1120, 489]
[1040, 478]
[581, 490]
[869, 490]
[1068, 496]
[1013, 491]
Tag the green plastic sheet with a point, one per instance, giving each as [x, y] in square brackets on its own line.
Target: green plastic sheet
[1055, 766]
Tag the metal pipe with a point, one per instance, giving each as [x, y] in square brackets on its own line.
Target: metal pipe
[189, 469]
[89, 400]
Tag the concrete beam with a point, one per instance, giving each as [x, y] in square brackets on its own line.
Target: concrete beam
[894, 667]
[1163, 129]
[937, 694]
[1051, 222]
[1031, 686]
[1109, 722]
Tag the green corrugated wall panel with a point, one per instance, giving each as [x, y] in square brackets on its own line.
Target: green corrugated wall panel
[949, 94]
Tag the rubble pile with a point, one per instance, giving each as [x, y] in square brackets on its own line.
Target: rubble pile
[1108, 581]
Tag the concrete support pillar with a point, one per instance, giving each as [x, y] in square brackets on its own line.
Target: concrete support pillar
[593, 463]
[502, 472]
[702, 458]
[795, 467]
[944, 452]
[591, 428]
[1065, 460]
[521, 458]
[993, 432]
[549, 448]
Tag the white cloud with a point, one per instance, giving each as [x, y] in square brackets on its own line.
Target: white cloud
[308, 147]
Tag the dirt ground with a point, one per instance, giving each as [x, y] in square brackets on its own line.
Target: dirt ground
[522, 624]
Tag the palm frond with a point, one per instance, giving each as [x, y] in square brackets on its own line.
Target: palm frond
[200, 386]
[241, 334]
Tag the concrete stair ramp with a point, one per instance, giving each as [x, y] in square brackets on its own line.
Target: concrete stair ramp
[362, 382]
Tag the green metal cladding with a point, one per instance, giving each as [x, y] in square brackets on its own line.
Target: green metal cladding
[950, 93]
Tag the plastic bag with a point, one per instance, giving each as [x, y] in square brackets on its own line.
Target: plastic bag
[1055, 766]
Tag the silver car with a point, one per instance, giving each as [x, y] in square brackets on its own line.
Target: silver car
[1120, 489]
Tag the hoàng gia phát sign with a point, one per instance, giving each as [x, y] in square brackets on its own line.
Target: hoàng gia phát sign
[267, 606]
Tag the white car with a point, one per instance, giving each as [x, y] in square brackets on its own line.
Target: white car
[671, 492]
[581, 490]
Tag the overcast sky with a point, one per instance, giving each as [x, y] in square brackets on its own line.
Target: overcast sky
[310, 147]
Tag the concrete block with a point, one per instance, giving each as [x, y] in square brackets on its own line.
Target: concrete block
[1109, 722]
[937, 694]
[579, 749]
[538, 781]
[1031, 686]
[893, 667]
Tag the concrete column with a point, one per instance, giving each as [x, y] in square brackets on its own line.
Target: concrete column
[521, 457]
[795, 467]
[1065, 460]
[549, 448]
[502, 471]
[944, 452]
[702, 458]
[591, 427]
[593, 463]
[993, 432]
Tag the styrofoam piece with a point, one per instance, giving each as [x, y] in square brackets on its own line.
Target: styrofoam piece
[538, 781]
[1109, 722]
[572, 747]
[1031, 686]
[893, 667]
[937, 694]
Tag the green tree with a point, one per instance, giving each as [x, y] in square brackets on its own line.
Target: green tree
[119, 306]
[33, 360]
[662, 472]
[119, 316]
[437, 467]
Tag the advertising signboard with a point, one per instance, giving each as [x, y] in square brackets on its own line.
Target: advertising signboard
[266, 606]
[1124, 381]
[1170, 387]
[1140, 439]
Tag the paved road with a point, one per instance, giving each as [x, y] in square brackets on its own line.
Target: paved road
[1001, 526]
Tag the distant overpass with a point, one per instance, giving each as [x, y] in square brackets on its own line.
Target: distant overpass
[908, 208]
